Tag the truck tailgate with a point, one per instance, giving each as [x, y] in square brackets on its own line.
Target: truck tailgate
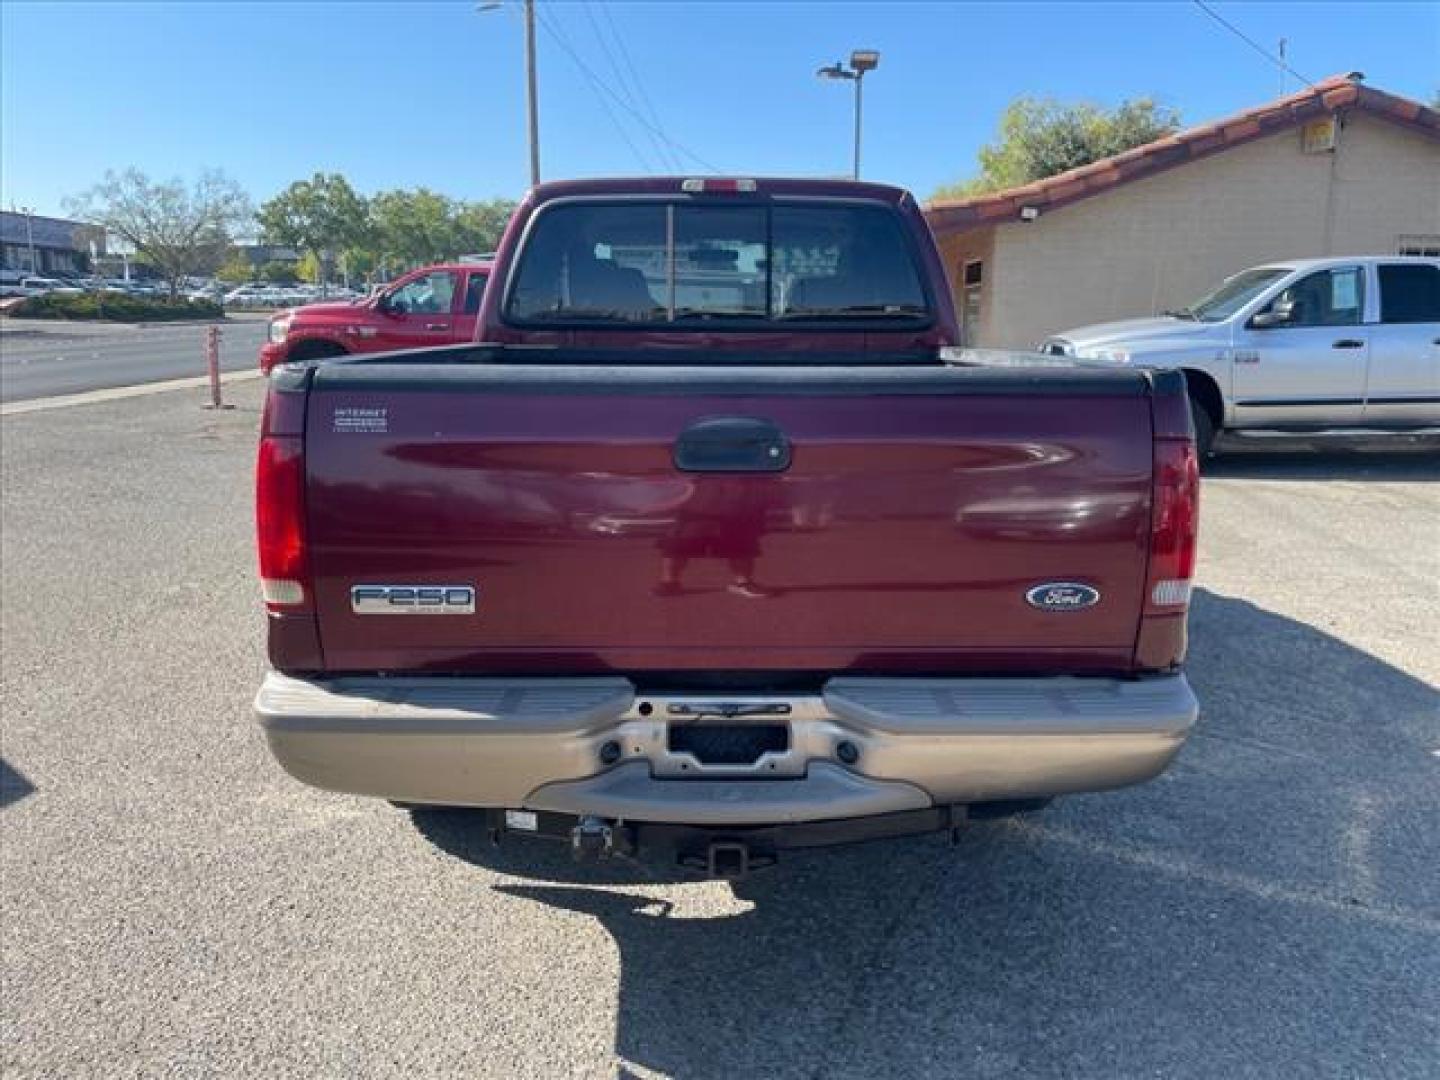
[898, 526]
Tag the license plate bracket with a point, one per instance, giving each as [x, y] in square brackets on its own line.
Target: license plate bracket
[727, 743]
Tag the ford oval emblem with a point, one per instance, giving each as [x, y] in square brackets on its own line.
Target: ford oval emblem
[1062, 596]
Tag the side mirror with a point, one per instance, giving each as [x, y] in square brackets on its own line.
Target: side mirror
[384, 307]
[1280, 313]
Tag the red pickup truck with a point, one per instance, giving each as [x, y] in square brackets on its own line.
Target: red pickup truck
[713, 542]
[437, 305]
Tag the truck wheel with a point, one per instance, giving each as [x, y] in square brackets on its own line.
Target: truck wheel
[1204, 429]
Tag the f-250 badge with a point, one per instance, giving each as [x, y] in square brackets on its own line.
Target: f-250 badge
[412, 599]
[1062, 596]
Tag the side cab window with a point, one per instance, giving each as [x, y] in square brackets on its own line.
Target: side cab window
[429, 294]
[1409, 293]
[1333, 297]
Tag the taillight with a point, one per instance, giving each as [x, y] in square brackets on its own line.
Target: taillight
[280, 523]
[1173, 525]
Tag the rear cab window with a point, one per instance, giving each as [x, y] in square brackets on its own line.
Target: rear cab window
[474, 292]
[699, 264]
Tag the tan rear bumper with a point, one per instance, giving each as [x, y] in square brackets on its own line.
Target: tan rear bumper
[542, 744]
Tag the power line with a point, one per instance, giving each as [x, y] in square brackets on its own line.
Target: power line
[600, 84]
[595, 84]
[662, 153]
[1277, 61]
[648, 105]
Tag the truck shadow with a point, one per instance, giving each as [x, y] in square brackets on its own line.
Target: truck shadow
[1420, 461]
[1268, 907]
[13, 785]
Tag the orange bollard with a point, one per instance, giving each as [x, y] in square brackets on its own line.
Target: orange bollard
[212, 360]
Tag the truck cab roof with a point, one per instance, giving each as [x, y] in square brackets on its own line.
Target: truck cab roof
[718, 185]
[814, 265]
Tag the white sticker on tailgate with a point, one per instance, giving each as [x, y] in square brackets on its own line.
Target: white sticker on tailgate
[355, 419]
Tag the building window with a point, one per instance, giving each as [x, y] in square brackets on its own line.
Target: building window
[972, 279]
[1418, 245]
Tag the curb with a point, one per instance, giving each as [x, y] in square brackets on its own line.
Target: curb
[119, 393]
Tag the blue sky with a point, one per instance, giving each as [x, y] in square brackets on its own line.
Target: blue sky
[398, 94]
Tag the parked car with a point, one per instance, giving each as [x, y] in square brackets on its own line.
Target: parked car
[433, 306]
[10, 284]
[38, 285]
[250, 296]
[718, 544]
[1305, 346]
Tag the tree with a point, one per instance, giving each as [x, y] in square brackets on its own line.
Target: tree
[87, 239]
[1043, 137]
[236, 269]
[479, 225]
[308, 269]
[278, 273]
[414, 227]
[359, 263]
[177, 230]
[322, 216]
[421, 226]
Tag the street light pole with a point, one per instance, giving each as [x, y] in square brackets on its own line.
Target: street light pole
[29, 212]
[861, 61]
[859, 85]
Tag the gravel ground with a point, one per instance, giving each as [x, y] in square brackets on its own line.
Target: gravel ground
[174, 905]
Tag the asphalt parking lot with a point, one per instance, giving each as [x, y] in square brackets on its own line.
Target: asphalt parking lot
[174, 905]
[41, 359]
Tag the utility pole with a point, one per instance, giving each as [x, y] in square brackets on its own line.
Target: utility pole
[532, 94]
[1283, 43]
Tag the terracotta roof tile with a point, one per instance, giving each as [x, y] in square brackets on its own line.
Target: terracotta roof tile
[1207, 141]
[1067, 191]
[994, 210]
[1336, 92]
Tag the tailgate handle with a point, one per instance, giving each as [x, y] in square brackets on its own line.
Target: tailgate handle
[732, 444]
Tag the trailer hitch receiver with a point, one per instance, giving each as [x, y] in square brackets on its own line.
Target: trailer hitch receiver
[592, 838]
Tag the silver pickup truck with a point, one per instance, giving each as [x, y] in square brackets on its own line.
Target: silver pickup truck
[1314, 346]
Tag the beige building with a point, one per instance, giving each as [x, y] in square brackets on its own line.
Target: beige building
[1340, 169]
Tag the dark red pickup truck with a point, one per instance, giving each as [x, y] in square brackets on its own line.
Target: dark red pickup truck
[713, 541]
